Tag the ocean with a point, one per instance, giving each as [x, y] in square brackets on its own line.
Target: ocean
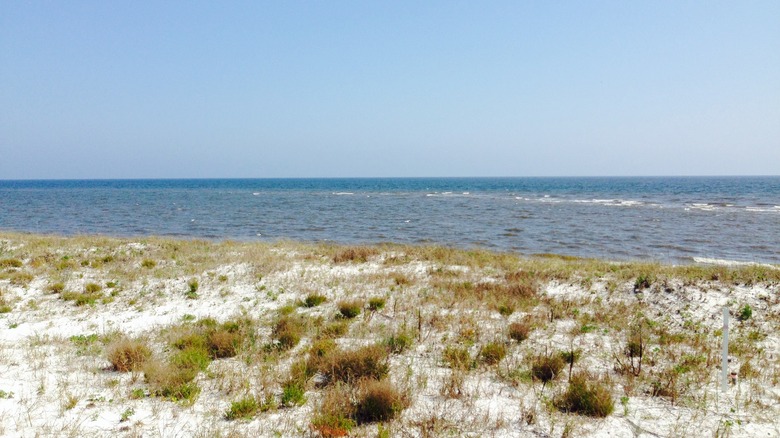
[667, 219]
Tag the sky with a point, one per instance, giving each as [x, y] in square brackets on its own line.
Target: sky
[267, 89]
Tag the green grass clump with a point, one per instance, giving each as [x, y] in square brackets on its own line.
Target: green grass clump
[586, 396]
[350, 309]
[55, 288]
[314, 300]
[457, 358]
[92, 288]
[288, 331]
[148, 263]
[334, 416]
[246, 408]
[10, 263]
[81, 299]
[398, 342]
[376, 303]
[293, 393]
[492, 353]
[358, 254]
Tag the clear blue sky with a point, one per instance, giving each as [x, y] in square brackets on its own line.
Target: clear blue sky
[121, 89]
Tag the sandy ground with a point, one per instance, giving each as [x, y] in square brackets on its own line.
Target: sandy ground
[53, 385]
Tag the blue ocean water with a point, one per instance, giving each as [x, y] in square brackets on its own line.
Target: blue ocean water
[678, 220]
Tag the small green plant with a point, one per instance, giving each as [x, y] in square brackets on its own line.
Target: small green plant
[492, 353]
[70, 402]
[350, 309]
[192, 289]
[148, 263]
[745, 313]
[314, 300]
[376, 303]
[398, 342]
[6, 395]
[293, 394]
[126, 415]
[244, 408]
[643, 281]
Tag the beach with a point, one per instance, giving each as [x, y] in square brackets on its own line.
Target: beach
[465, 342]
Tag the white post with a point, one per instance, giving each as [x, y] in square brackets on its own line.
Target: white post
[725, 364]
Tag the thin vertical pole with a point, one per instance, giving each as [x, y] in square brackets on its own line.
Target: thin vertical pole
[725, 364]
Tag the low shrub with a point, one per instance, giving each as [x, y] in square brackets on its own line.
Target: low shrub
[334, 416]
[359, 254]
[224, 343]
[171, 381]
[350, 309]
[547, 367]
[492, 353]
[586, 396]
[378, 401]
[288, 331]
[128, 355]
[352, 366]
[519, 331]
[745, 313]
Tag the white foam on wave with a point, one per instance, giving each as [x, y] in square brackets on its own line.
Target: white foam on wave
[343, 193]
[256, 193]
[723, 262]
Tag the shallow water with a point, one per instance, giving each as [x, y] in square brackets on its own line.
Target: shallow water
[666, 219]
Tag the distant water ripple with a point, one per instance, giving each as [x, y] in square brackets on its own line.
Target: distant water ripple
[678, 220]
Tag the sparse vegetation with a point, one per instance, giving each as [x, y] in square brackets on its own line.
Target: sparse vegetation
[442, 328]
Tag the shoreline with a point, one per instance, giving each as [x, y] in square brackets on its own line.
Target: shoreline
[67, 302]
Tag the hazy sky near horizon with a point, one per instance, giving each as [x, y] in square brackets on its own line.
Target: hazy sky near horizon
[92, 89]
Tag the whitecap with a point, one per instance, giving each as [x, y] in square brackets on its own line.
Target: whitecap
[343, 193]
[256, 193]
[723, 262]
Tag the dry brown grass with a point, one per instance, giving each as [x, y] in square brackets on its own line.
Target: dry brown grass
[128, 355]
